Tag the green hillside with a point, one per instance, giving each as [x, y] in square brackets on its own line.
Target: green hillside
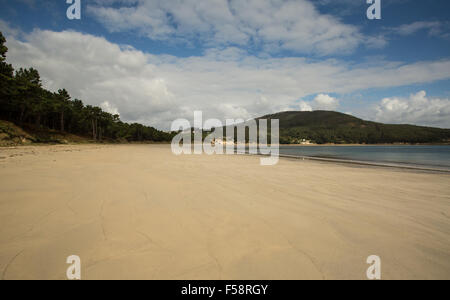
[332, 127]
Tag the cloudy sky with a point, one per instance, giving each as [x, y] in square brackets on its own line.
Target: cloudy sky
[154, 61]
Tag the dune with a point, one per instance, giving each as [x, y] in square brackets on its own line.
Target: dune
[139, 212]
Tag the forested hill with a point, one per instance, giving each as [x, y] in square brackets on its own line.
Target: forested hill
[332, 127]
[24, 102]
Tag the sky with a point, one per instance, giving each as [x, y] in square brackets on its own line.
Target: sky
[154, 61]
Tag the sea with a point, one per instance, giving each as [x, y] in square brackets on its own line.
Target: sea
[420, 156]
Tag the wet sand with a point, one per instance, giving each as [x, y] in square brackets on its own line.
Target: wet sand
[139, 212]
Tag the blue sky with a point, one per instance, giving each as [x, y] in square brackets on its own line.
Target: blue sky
[153, 61]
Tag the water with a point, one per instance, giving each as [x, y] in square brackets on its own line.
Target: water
[417, 156]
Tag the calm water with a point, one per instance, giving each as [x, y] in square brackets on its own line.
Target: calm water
[425, 156]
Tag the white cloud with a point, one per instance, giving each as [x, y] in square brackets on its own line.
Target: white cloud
[417, 109]
[407, 29]
[320, 102]
[433, 28]
[305, 106]
[376, 42]
[325, 102]
[223, 83]
[273, 25]
[8, 30]
[109, 108]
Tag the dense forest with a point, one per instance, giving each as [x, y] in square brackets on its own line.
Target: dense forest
[323, 127]
[26, 103]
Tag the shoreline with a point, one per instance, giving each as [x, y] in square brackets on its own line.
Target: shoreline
[359, 145]
[393, 165]
[368, 163]
[2, 146]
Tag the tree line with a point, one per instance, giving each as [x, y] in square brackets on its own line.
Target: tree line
[25, 102]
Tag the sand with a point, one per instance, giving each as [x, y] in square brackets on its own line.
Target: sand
[139, 212]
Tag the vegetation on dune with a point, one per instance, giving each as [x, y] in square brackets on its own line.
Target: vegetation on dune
[323, 127]
[11, 134]
[26, 103]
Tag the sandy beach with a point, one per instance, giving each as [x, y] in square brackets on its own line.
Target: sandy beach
[139, 212]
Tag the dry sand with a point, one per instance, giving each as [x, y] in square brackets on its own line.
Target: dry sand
[139, 212]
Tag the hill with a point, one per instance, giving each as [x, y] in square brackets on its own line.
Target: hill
[323, 127]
